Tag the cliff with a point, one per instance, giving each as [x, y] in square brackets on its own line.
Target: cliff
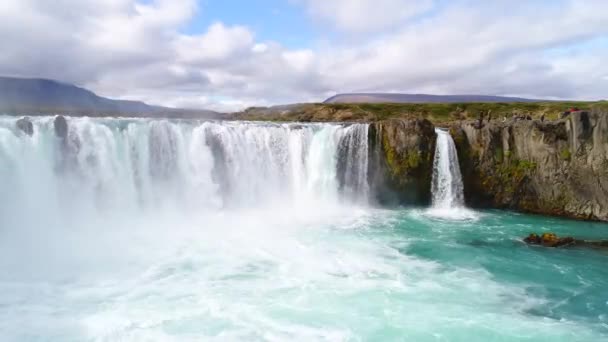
[524, 157]
[401, 165]
[555, 167]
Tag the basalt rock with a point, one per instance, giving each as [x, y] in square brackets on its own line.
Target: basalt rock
[25, 125]
[61, 127]
[401, 160]
[552, 167]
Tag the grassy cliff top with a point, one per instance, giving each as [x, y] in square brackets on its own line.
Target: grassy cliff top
[436, 112]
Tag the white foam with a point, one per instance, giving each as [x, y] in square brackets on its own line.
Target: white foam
[447, 188]
[454, 214]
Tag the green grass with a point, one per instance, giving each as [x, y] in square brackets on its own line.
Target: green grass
[435, 112]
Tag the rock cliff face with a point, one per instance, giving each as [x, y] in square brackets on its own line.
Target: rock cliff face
[556, 167]
[401, 162]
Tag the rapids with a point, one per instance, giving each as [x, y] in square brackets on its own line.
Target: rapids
[133, 229]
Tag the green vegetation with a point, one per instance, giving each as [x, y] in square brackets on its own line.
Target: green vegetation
[397, 164]
[506, 178]
[565, 154]
[435, 112]
[413, 160]
[498, 154]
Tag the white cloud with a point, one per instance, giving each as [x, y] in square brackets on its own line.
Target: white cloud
[125, 48]
[366, 15]
[217, 44]
[300, 60]
[260, 48]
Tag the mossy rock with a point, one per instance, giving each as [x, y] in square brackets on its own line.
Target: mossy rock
[565, 154]
[407, 150]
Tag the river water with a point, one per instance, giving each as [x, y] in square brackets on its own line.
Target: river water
[179, 231]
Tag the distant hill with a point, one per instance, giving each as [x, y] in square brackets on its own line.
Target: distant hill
[42, 96]
[421, 98]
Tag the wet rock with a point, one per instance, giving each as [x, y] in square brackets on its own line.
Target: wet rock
[549, 240]
[552, 240]
[401, 160]
[61, 127]
[547, 167]
[532, 239]
[25, 125]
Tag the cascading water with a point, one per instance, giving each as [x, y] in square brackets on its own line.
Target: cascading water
[125, 165]
[446, 187]
[162, 230]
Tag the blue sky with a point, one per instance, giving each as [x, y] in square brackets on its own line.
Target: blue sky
[230, 54]
[276, 20]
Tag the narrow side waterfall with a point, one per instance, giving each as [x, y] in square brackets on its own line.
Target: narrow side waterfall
[447, 188]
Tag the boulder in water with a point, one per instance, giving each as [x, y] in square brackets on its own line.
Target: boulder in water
[532, 239]
[549, 240]
[61, 126]
[25, 125]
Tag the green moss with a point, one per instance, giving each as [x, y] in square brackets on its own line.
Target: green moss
[565, 154]
[524, 165]
[413, 159]
[506, 178]
[399, 166]
[498, 155]
[389, 154]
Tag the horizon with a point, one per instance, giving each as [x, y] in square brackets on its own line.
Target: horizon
[229, 56]
[405, 98]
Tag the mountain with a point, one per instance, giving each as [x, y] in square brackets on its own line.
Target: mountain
[43, 96]
[420, 98]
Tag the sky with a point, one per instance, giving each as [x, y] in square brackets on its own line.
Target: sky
[227, 55]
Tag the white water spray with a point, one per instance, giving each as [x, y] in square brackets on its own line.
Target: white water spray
[162, 230]
[447, 188]
[110, 165]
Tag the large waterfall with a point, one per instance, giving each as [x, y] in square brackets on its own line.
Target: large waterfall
[167, 230]
[123, 165]
[446, 186]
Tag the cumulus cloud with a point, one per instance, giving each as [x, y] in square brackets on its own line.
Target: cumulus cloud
[489, 48]
[215, 46]
[366, 15]
[138, 50]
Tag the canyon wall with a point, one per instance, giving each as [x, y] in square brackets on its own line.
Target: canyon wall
[555, 167]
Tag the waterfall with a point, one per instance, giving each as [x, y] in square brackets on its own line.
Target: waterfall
[124, 165]
[447, 188]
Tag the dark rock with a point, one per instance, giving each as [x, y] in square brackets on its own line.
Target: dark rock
[401, 160]
[552, 240]
[25, 125]
[552, 167]
[532, 239]
[61, 127]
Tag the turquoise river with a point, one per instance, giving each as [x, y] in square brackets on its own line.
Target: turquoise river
[152, 230]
